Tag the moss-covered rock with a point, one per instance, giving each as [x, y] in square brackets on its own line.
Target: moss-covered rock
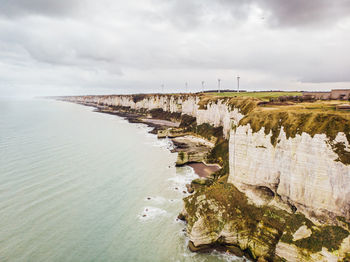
[220, 214]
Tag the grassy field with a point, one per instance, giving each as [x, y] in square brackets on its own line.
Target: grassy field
[259, 95]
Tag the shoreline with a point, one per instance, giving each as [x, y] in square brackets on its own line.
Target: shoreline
[202, 169]
[268, 214]
[180, 141]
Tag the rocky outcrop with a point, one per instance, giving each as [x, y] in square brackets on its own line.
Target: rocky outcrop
[191, 149]
[303, 171]
[308, 171]
[221, 215]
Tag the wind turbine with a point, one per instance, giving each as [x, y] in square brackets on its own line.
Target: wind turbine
[238, 77]
[219, 80]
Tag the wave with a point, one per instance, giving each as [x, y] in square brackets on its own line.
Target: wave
[165, 143]
[228, 257]
[185, 177]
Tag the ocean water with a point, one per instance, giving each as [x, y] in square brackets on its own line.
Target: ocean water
[74, 186]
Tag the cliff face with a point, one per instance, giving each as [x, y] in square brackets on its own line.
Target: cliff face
[222, 215]
[302, 170]
[216, 114]
[285, 164]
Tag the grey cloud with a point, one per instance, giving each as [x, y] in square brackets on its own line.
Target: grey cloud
[276, 13]
[135, 45]
[301, 12]
[18, 8]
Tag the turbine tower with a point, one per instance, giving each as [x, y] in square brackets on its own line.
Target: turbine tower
[238, 77]
[219, 80]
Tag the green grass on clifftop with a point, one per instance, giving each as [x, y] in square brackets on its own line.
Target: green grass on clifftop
[244, 104]
[295, 122]
[259, 95]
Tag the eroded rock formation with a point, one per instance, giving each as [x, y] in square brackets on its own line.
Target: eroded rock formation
[286, 195]
[302, 170]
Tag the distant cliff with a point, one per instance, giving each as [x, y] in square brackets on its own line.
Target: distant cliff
[290, 164]
[216, 114]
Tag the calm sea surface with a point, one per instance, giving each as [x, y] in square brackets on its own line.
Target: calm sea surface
[74, 186]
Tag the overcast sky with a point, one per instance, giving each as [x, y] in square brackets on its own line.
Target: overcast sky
[54, 47]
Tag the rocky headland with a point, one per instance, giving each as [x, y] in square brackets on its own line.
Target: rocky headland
[281, 187]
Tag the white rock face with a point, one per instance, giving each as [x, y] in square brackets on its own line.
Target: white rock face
[302, 170]
[292, 253]
[219, 115]
[216, 114]
[302, 232]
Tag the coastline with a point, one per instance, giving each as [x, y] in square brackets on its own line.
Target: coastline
[204, 170]
[224, 209]
[182, 142]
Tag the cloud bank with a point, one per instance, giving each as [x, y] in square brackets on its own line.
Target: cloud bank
[84, 46]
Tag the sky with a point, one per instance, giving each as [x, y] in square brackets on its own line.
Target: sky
[71, 47]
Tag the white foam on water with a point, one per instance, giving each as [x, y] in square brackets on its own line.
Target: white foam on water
[222, 256]
[182, 223]
[157, 199]
[188, 254]
[161, 200]
[182, 178]
[164, 142]
[170, 144]
[144, 129]
[228, 257]
[150, 213]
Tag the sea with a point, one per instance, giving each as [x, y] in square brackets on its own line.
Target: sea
[77, 185]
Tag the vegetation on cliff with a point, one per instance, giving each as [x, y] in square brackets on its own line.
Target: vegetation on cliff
[223, 215]
[219, 154]
[244, 104]
[259, 95]
[138, 97]
[165, 115]
[220, 213]
[295, 118]
[296, 122]
[226, 217]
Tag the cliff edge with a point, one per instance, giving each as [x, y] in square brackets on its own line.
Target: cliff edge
[283, 193]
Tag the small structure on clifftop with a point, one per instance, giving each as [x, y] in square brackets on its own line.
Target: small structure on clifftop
[336, 94]
[343, 107]
[340, 94]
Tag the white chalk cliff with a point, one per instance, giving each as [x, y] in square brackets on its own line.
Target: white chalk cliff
[300, 173]
[216, 114]
[301, 170]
